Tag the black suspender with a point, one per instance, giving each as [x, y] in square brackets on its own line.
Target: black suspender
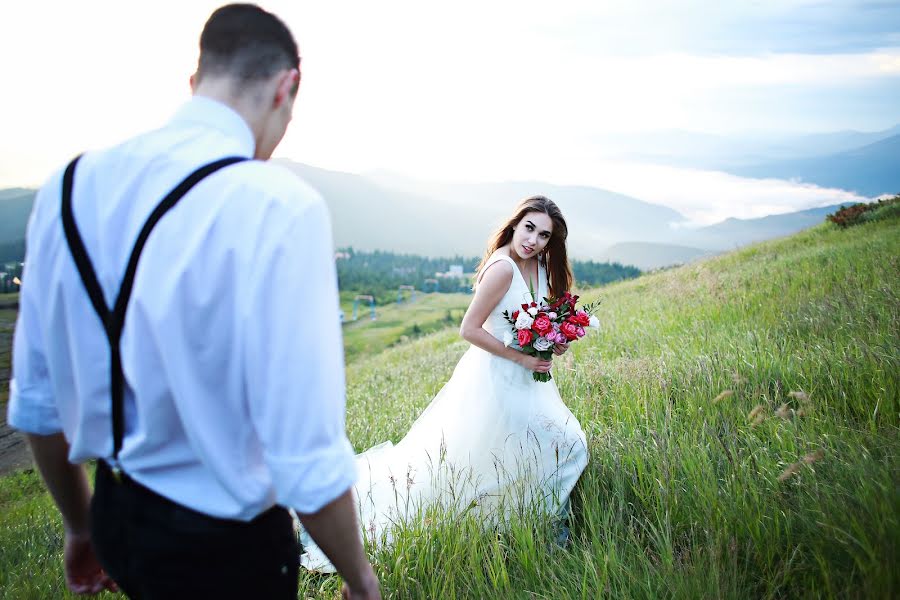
[114, 320]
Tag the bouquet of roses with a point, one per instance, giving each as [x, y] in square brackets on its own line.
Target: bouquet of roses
[538, 327]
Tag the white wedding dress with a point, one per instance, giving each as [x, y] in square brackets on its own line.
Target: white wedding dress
[493, 442]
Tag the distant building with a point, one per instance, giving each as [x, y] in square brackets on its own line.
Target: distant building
[455, 271]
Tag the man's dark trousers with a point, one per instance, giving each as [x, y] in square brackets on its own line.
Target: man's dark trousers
[155, 548]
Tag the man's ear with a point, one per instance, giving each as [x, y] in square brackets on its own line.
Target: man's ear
[287, 86]
[193, 81]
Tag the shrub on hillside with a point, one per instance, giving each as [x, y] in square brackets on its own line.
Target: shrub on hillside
[865, 213]
[883, 209]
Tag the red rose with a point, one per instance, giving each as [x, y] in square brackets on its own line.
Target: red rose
[569, 329]
[542, 324]
[581, 318]
[515, 315]
[525, 336]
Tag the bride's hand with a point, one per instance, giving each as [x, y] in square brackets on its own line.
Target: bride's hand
[560, 349]
[533, 363]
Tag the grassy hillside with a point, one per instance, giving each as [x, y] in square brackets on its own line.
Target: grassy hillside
[742, 415]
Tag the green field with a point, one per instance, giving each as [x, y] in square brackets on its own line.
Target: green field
[398, 323]
[742, 415]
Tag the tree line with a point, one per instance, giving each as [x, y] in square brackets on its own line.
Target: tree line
[380, 274]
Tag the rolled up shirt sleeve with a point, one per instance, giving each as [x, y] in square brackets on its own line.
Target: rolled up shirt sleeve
[32, 405]
[294, 362]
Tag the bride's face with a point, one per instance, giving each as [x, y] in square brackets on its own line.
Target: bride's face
[532, 234]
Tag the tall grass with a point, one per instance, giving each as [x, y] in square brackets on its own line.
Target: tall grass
[742, 417]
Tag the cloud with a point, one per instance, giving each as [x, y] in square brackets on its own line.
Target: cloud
[735, 28]
[707, 197]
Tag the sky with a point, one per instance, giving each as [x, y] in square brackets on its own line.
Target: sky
[477, 91]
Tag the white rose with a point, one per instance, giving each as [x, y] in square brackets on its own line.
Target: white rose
[507, 337]
[532, 311]
[524, 321]
[542, 344]
[594, 322]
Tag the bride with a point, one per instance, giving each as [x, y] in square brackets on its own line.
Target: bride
[493, 440]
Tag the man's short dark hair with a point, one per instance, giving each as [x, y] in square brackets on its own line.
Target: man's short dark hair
[245, 42]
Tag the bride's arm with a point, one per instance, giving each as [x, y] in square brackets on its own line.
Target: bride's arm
[495, 282]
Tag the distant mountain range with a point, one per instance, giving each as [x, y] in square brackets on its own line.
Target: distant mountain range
[727, 152]
[388, 212]
[705, 241]
[432, 219]
[647, 256]
[15, 207]
[871, 170]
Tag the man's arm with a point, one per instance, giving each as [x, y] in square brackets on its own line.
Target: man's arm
[69, 487]
[336, 531]
[295, 371]
[32, 409]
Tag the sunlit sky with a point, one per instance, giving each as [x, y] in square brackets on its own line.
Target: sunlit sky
[475, 91]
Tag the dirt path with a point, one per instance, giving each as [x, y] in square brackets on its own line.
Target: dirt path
[14, 453]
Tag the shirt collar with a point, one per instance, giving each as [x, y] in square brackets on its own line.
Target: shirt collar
[212, 113]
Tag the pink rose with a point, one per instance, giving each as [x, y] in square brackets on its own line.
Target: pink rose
[569, 329]
[542, 324]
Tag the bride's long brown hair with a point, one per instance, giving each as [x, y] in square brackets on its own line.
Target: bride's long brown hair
[555, 255]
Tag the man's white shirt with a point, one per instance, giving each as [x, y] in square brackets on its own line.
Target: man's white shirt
[232, 348]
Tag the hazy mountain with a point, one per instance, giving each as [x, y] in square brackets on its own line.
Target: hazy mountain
[705, 241]
[368, 216]
[383, 212]
[435, 219]
[15, 206]
[871, 170]
[647, 256]
[732, 233]
[729, 152]
[597, 218]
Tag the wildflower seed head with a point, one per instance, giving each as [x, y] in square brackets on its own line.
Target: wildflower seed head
[789, 472]
[784, 412]
[801, 396]
[722, 396]
[758, 410]
[814, 456]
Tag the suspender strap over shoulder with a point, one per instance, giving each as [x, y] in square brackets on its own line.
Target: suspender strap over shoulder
[114, 320]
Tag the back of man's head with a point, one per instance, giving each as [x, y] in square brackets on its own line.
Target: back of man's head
[245, 43]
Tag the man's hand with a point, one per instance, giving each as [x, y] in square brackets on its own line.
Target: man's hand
[68, 484]
[369, 591]
[84, 575]
[336, 531]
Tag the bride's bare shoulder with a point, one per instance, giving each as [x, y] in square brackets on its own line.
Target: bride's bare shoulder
[497, 272]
